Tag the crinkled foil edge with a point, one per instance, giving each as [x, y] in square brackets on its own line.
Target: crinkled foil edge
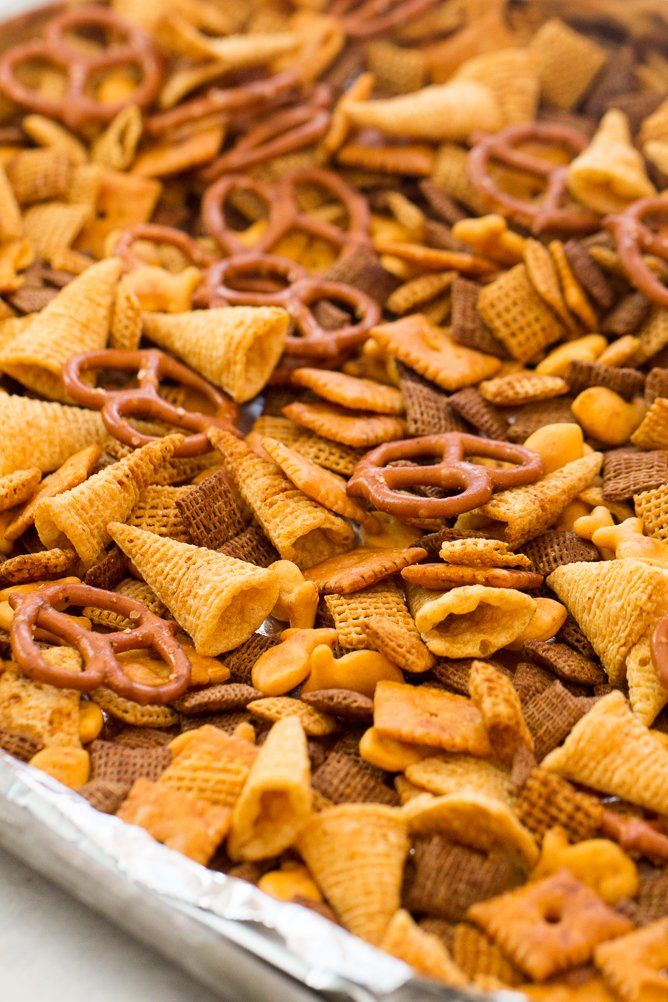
[224, 931]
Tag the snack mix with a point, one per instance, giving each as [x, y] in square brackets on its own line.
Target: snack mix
[334, 460]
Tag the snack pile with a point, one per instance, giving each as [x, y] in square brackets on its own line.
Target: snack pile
[334, 460]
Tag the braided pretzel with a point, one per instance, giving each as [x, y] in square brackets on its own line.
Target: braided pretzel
[546, 213]
[384, 485]
[98, 650]
[76, 108]
[634, 238]
[117, 406]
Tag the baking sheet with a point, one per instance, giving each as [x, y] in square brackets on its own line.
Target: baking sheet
[223, 931]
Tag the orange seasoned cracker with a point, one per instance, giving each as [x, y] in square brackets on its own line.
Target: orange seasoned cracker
[549, 926]
[177, 819]
[361, 568]
[314, 481]
[444, 576]
[361, 431]
[422, 346]
[349, 391]
[427, 716]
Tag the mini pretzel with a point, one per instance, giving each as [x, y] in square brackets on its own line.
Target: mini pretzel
[372, 17]
[312, 340]
[35, 610]
[76, 108]
[547, 212]
[256, 95]
[154, 233]
[284, 132]
[145, 401]
[634, 238]
[285, 214]
[385, 486]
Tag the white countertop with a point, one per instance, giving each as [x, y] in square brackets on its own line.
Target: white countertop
[53, 949]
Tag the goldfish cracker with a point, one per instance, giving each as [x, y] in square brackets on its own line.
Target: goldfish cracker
[584, 349]
[293, 881]
[545, 623]
[358, 670]
[571, 513]
[557, 444]
[606, 416]
[386, 753]
[283, 667]
[91, 722]
[587, 525]
[597, 862]
[297, 601]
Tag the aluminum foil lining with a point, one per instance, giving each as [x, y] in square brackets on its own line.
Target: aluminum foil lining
[224, 931]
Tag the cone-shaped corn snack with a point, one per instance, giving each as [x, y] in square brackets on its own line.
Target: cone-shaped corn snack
[422, 950]
[356, 854]
[646, 694]
[525, 512]
[218, 600]
[610, 750]
[512, 77]
[78, 518]
[55, 433]
[276, 800]
[77, 320]
[300, 529]
[472, 621]
[448, 111]
[235, 347]
[610, 173]
[615, 602]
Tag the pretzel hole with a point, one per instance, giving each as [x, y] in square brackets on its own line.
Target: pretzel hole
[91, 39]
[42, 75]
[159, 255]
[111, 86]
